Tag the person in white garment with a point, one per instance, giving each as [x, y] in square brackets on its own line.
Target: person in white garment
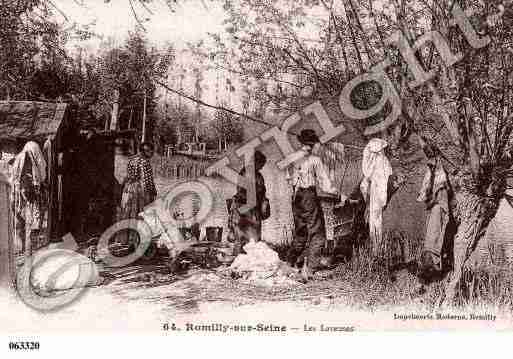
[377, 170]
[27, 180]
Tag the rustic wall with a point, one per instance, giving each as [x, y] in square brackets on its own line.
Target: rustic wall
[6, 255]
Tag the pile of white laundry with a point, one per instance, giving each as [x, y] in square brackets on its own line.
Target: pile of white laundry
[263, 265]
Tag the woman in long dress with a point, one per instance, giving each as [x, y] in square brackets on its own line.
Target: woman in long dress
[245, 226]
[27, 180]
[138, 191]
[138, 187]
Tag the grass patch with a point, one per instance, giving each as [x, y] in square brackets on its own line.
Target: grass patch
[368, 284]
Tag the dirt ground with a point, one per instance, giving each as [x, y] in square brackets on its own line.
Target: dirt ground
[146, 297]
[142, 297]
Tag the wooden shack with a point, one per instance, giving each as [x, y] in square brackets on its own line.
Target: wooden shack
[82, 190]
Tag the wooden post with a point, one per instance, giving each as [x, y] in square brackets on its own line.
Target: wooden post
[60, 189]
[115, 111]
[143, 137]
[130, 118]
[178, 134]
[51, 179]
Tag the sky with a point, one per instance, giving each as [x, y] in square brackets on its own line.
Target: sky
[190, 22]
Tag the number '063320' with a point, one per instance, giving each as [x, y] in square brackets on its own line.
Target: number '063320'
[23, 345]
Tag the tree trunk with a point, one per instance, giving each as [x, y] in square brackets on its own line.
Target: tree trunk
[115, 111]
[474, 214]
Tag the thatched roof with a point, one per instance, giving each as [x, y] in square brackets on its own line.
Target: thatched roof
[30, 120]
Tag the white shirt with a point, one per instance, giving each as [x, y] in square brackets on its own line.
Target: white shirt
[310, 171]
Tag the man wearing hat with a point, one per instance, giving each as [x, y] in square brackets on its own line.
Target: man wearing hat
[307, 174]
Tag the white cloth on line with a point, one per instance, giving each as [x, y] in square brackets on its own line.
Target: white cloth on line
[376, 170]
[33, 152]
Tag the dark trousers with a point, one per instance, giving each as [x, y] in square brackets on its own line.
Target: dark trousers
[310, 230]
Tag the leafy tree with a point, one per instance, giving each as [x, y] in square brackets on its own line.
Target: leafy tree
[227, 128]
[31, 46]
[172, 119]
[308, 49]
[132, 70]
[472, 111]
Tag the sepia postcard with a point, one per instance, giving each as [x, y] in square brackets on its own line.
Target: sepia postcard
[255, 167]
